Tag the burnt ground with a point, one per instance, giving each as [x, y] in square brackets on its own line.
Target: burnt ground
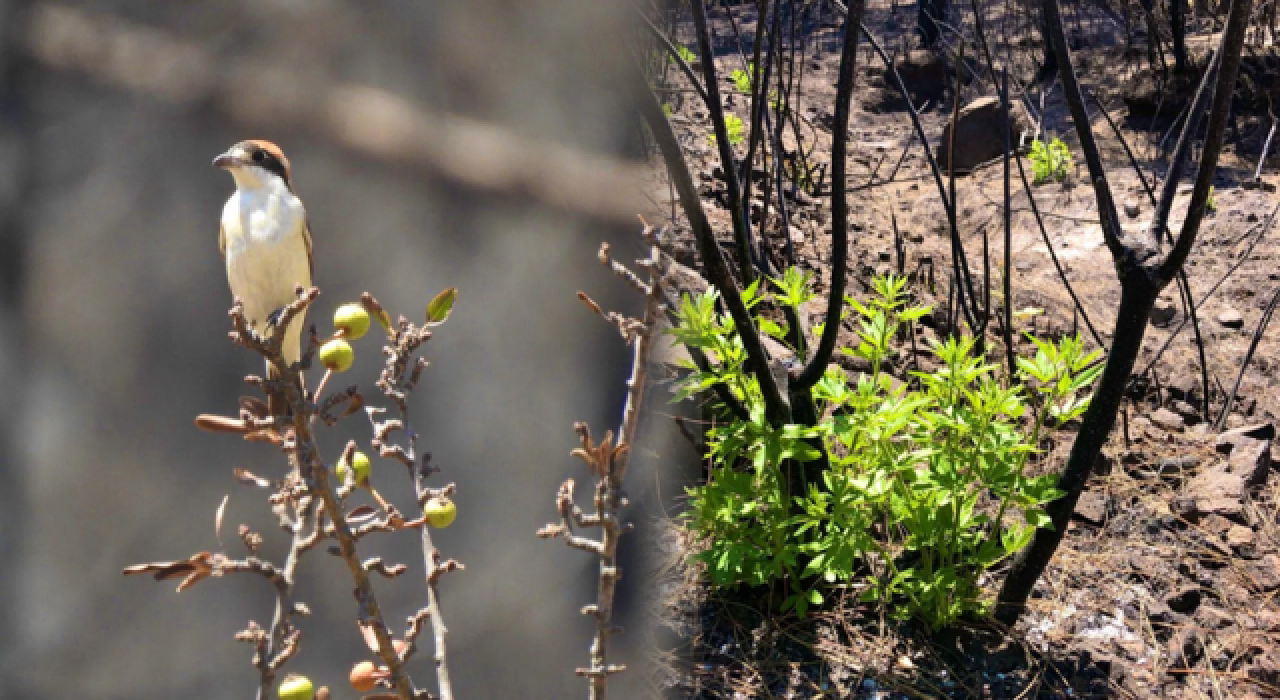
[1166, 584]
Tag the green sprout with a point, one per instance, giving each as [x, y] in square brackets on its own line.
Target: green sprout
[1051, 162]
[737, 131]
[684, 53]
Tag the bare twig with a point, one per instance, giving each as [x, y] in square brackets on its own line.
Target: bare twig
[777, 409]
[305, 454]
[839, 203]
[1244, 364]
[400, 375]
[607, 462]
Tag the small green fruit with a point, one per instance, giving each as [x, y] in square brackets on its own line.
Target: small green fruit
[296, 687]
[353, 319]
[440, 512]
[337, 355]
[360, 462]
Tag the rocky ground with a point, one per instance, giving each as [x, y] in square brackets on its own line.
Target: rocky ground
[1166, 584]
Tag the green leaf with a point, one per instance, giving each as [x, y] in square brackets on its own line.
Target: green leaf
[441, 306]
[1038, 518]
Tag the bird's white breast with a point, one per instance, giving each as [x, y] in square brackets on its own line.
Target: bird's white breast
[266, 251]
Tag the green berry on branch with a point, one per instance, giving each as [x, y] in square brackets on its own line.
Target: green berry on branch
[337, 355]
[360, 465]
[352, 319]
[440, 512]
[295, 687]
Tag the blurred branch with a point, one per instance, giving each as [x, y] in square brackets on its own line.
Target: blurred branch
[400, 374]
[607, 461]
[17, 179]
[365, 119]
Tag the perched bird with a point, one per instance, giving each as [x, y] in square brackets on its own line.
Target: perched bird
[266, 242]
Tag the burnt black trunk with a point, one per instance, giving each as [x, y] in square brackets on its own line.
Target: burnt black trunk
[1178, 21]
[1137, 296]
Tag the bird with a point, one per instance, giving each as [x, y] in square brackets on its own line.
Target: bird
[265, 239]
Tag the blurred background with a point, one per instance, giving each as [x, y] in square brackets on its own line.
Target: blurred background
[482, 144]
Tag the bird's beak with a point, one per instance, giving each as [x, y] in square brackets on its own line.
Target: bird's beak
[230, 159]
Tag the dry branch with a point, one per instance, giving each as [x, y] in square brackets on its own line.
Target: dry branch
[607, 461]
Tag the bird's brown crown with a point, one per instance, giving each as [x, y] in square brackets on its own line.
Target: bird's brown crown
[267, 156]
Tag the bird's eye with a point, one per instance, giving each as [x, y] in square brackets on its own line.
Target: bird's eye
[259, 156]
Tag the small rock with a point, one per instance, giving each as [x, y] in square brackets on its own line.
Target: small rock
[1251, 460]
[1143, 564]
[1185, 508]
[1182, 385]
[979, 136]
[1168, 420]
[1164, 311]
[1264, 575]
[1132, 209]
[1239, 536]
[1091, 508]
[1214, 491]
[1230, 318]
[1256, 431]
[1188, 412]
[1184, 600]
[1170, 466]
[1216, 525]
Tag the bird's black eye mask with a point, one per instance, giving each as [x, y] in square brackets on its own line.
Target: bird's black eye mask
[263, 158]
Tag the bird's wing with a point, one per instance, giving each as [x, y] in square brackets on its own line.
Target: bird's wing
[222, 241]
[306, 237]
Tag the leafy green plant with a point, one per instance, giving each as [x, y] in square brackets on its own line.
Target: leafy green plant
[742, 82]
[1050, 162]
[735, 128]
[1211, 204]
[924, 478]
[685, 54]
[742, 78]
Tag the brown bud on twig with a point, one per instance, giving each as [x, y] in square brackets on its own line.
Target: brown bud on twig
[376, 564]
[221, 424]
[375, 309]
[248, 478]
[252, 540]
[193, 570]
[591, 304]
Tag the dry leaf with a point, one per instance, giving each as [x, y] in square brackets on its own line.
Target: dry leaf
[248, 478]
[217, 518]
